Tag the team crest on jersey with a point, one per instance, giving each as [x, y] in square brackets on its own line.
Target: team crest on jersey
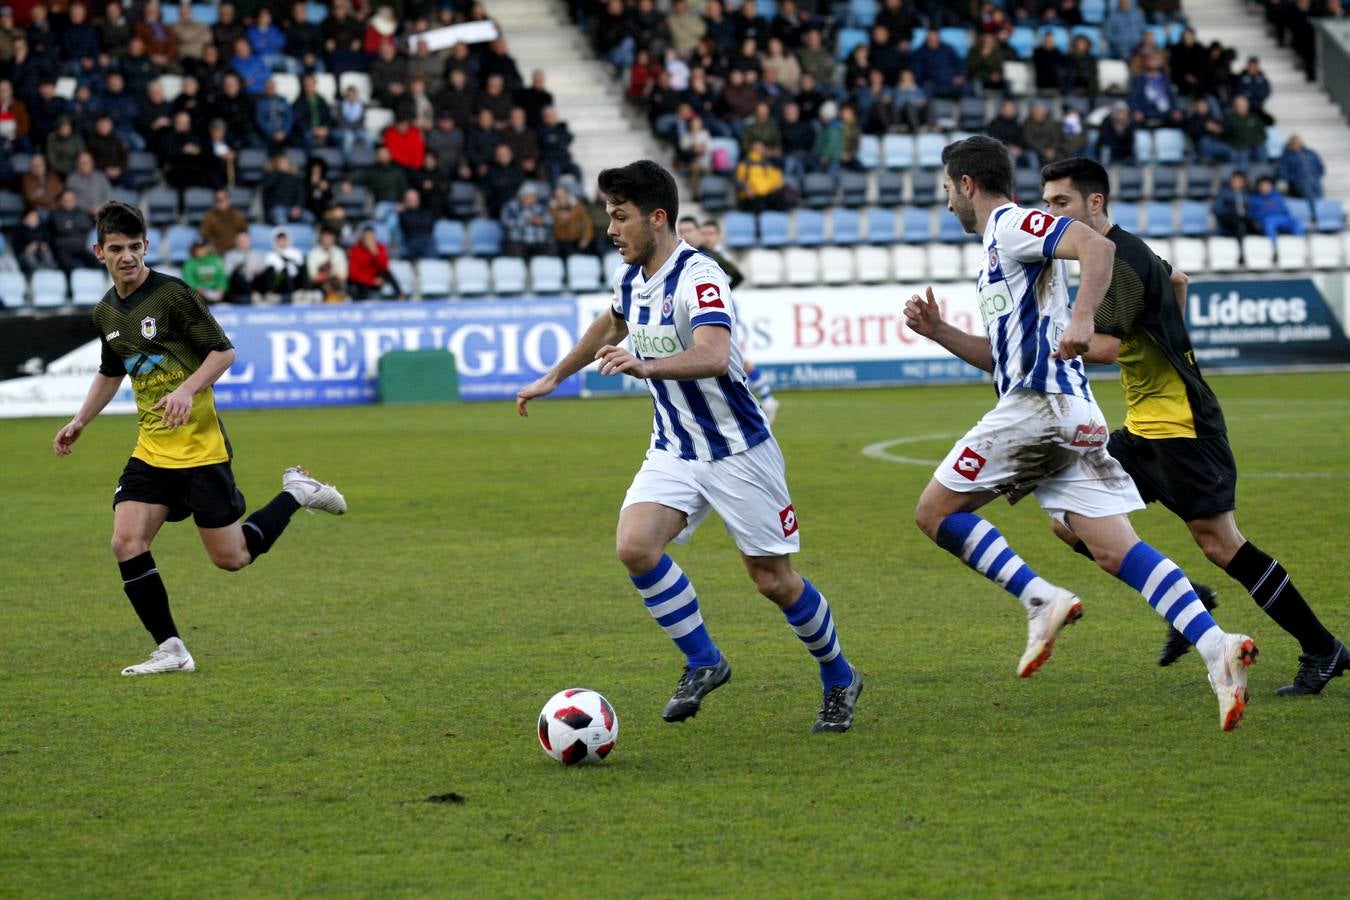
[1037, 223]
[993, 260]
[667, 306]
[969, 464]
[709, 296]
[787, 516]
[148, 327]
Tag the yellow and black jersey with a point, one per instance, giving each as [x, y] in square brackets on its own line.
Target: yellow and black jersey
[1165, 393]
[158, 336]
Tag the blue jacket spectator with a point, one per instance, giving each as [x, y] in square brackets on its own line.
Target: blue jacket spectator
[1153, 100]
[79, 39]
[938, 68]
[1302, 169]
[1270, 212]
[1253, 85]
[1230, 206]
[272, 116]
[122, 108]
[312, 116]
[1124, 28]
[252, 71]
[265, 38]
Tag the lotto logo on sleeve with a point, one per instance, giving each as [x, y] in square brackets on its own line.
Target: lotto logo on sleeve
[1037, 223]
[968, 464]
[788, 517]
[709, 296]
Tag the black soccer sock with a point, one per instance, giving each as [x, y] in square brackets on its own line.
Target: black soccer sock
[1082, 549]
[145, 590]
[262, 529]
[1270, 586]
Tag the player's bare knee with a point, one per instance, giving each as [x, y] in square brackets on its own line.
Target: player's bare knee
[231, 561]
[1110, 559]
[928, 520]
[125, 547]
[1216, 549]
[636, 555]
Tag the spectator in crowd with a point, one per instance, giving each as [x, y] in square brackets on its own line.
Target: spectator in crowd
[64, 146]
[911, 103]
[523, 141]
[40, 186]
[221, 151]
[1205, 131]
[273, 118]
[1269, 212]
[711, 244]
[385, 180]
[1042, 136]
[228, 30]
[14, 123]
[432, 184]
[415, 225]
[759, 181]
[204, 271]
[284, 193]
[815, 59]
[1049, 62]
[494, 97]
[155, 120]
[405, 144]
[31, 244]
[91, 187]
[1301, 168]
[1073, 134]
[686, 28]
[79, 39]
[876, 104]
[283, 268]
[527, 224]
[501, 181]
[109, 150]
[1005, 127]
[799, 141]
[1231, 208]
[351, 122]
[311, 117]
[326, 265]
[222, 223]
[304, 40]
[268, 42]
[480, 142]
[1080, 68]
[1123, 28]
[572, 228]
[762, 129]
[555, 142]
[235, 108]
[1152, 98]
[938, 68]
[244, 267]
[114, 31]
[68, 226]
[187, 163]
[984, 64]
[693, 154]
[1115, 136]
[340, 27]
[1252, 84]
[192, 37]
[445, 142]
[368, 273]
[1188, 63]
[458, 98]
[318, 187]
[787, 70]
[416, 105]
[253, 72]
[1244, 131]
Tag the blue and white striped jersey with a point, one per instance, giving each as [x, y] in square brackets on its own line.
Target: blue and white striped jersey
[1024, 301]
[704, 418]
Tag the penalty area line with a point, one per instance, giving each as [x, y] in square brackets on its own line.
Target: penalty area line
[882, 449]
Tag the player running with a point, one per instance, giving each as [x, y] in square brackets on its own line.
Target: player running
[1174, 443]
[1046, 434]
[158, 330]
[711, 446]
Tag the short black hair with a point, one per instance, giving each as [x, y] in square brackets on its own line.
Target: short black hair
[1087, 176]
[116, 217]
[714, 223]
[688, 220]
[986, 160]
[645, 184]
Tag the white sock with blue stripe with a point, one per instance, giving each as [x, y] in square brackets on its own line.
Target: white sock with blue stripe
[1168, 591]
[977, 543]
[810, 617]
[671, 600]
[759, 383]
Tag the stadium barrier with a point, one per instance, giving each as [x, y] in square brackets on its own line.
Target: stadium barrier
[843, 337]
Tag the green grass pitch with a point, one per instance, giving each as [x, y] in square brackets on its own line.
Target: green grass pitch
[404, 651]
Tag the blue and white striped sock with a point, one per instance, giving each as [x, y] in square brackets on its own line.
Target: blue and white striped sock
[1168, 591]
[810, 617]
[759, 383]
[671, 600]
[979, 545]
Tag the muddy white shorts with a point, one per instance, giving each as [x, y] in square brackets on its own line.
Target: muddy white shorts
[747, 489]
[1052, 445]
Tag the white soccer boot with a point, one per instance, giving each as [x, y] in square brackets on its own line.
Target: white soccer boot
[1228, 678]
[311, 493]
[770, 406]
[1045, 619]
[170, 656]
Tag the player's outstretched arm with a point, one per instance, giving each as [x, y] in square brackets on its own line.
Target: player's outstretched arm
[1180, 282]
[101, 391]
[924, 317]
[605, 330]
[708, 358]
[1096, 256]
[177, 405]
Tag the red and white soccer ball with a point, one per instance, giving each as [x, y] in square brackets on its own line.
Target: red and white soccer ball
[578, 726]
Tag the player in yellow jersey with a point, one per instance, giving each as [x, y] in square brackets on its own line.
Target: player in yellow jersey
[1175, 443]
[158, 331]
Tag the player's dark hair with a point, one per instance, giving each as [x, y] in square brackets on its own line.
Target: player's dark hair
[985, 160]
[646, 185]
[714, 223]
[116, 217]
[688, 220]
[1086, 175]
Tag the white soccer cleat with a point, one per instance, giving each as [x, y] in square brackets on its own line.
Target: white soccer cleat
[170, 656]
[311, 493]
[1045, 619]
[1228, 678]
[770, 406]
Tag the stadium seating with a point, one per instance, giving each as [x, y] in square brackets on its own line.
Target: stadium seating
[836, 265]
[13, 289]
[1258, 252]
[485, 237]
[49, 288]
[583, 273]
[944, 262]
[810, 227]
[403, 272]
[739, 230]
[1291, 252]
[547, 275]
[802, 267]
[1330, 215]
[471, 276]
[764, 267]
[449, 236]
[434, 277]
[909, 262]
[845, 226]
[880, 225]
[1188, 255]
[1223, 254]
[1324, 251]
[774, 229]
[508, 275]
[872, 264]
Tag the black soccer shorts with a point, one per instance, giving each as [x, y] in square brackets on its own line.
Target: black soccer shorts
[1193, 477]
[207, 493]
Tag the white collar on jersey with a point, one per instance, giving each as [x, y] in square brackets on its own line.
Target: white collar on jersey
[659, 277]
[993, 219]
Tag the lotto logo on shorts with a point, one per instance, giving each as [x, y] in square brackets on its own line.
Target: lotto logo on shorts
[788, 517]
[969, 464]
[1089, 436]
[1037, 223]
[709, 296]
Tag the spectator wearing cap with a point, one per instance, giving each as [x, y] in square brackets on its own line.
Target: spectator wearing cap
[415, 225]
[368, 272]
[1123, 28]
[1244, 131]
[938, 68]
[91, 187]
[527, 224]
[1301, 168]
[204, 271]
[1269, 211]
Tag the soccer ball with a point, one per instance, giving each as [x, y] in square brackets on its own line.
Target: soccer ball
[578, 726]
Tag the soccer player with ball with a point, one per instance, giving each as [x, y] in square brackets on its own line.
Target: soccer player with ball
[711, 446]
[1046, 434]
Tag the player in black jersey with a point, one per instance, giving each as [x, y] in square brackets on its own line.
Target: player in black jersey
[158, 331]
[1175, 443]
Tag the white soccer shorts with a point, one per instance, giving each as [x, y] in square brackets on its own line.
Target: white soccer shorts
[1052, 445]
[747, 489]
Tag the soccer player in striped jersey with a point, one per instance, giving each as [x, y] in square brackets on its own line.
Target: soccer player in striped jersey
[158, 331]
[1046, 435]
[711, 447]
[1175, 443]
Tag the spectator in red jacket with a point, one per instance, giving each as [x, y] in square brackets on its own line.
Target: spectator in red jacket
[406, 144]
[368, 273]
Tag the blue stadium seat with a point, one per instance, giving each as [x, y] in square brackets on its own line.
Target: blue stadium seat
[1159, 219]
[87, 286]
[154, 244]
[13, 289]
[11, 209]
[316, 12]
[773, 229]
[881, 225]
[1093, 11]
[818, 189]
[463, 200]
[1301, 210]
[49, 287]
[845, 226]
[1022, 41]
[206, 13]
[449, 237]
[956, 38]
[1330, 215]
[196, 201]
[917, 225]
[1165, 182]
[925, 187]
[861, 13]
[434, 278]
[508, 275]
[1199, 182]
[1194, 218]
[161, 206]
[471, 276]
[739, 228]
[848, 39]
[1027, 186]
[1169, 146]
[1131, 184]
[1275, 141]
[178, 240]
[810, 228]
[714, 193]
[971, 114]
[583, 272]
[401, 271]
[485, 237]
[1061, 36]
[302, 236]
[1126, 215]
[1094, 36]
[259, 235]
[248, 166]
[852, 188]
[547, 275]
[930, 150]
[353, 201]
[1143, 146]
[950, 230]
[897, 151]
[869, 151]
[890, 187]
